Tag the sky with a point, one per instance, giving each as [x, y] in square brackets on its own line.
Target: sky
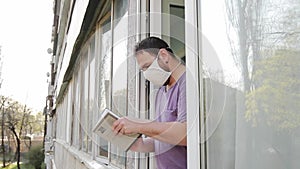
[25, 36]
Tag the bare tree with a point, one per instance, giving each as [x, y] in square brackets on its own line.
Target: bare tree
[245, 18]
[4, 101]
[16, 122]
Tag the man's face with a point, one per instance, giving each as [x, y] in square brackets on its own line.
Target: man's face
[144, 59]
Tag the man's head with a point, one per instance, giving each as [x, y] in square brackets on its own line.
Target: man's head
[148, 49]
[155, 59]
[152, 46]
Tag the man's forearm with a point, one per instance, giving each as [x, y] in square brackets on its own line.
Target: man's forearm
[169, 132]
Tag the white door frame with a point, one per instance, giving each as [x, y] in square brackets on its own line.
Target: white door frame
[194, 81]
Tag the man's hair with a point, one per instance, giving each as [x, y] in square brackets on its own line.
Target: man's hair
[152, 46]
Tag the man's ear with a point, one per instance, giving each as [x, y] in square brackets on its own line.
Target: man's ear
[164, 55]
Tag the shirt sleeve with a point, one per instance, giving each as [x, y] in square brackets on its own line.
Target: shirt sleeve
[181, 105]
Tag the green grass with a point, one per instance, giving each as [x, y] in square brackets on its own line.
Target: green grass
[14, 166]
[34, 157]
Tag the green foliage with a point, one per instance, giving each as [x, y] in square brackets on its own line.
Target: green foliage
[22, 166]
[37, 123]
[36, 156]
[43, 166]
[20, 117]
[275, 99]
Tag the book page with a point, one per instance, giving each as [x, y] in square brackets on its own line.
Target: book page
[104, 129]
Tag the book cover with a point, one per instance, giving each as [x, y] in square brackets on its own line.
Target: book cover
[104, 129]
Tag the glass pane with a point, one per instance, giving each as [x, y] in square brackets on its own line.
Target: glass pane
[92, 92]
[76, 109]
[105, 77]
[251, 61]
[119, 79]
[173, 25]
[177, 29]
[84, 102]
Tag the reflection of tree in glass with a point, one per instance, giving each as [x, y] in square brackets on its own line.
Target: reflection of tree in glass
[119, 102]
[244, 20]
[281, 25]
[260, 27]
[275, 101]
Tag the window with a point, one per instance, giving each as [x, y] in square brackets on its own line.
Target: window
[251, 83]
[69, 113]
[76, 107]
[92, 108]
[84, 101]
[119, 78]
[87, 95]
[104, 69]
[177, 33]
[173, 24]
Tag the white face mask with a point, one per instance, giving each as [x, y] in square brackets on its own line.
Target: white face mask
[156, 74]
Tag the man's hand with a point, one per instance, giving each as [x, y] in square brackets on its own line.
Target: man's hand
[125, 126]
[169, 132]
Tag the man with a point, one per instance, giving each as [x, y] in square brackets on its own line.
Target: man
[166, 136]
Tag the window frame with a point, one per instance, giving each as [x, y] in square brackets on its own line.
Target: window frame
[194, 80]
[98, 40]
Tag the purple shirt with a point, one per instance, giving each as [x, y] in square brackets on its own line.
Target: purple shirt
[171, 106]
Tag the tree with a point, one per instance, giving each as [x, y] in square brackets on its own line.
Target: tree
[275, 101]
[15, 118]
[245, 19]
[34, 126]
[37, 123]
[36, 156]
[264, 37]
[261, 27]
[4, 101]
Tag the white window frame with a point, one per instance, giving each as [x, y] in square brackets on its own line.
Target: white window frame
[101, 159]
[92, 109]
[194, 81]
[84, 59]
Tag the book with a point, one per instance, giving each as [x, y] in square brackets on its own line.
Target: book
[104, 129]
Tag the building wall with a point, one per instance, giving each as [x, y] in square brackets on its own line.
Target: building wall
[242, 95]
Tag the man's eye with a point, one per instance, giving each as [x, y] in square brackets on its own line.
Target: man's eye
[145, 67]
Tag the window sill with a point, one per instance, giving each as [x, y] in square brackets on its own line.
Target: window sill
[84, 158]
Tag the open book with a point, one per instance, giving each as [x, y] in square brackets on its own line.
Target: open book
[104, 129]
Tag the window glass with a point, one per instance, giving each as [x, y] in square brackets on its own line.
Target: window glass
[104, 78]
[119, 79]
[251, 62]
[69, 112]
[177, 29]
[84, 101]
[173, 25]
[92, 93]
[76, 110]
[63, 119]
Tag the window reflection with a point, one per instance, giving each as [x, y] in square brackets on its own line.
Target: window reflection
[92, 92]
[177, 29]
[119, 79]
[105, 76]
[252, 78]
[84, 101]
[76, 110]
